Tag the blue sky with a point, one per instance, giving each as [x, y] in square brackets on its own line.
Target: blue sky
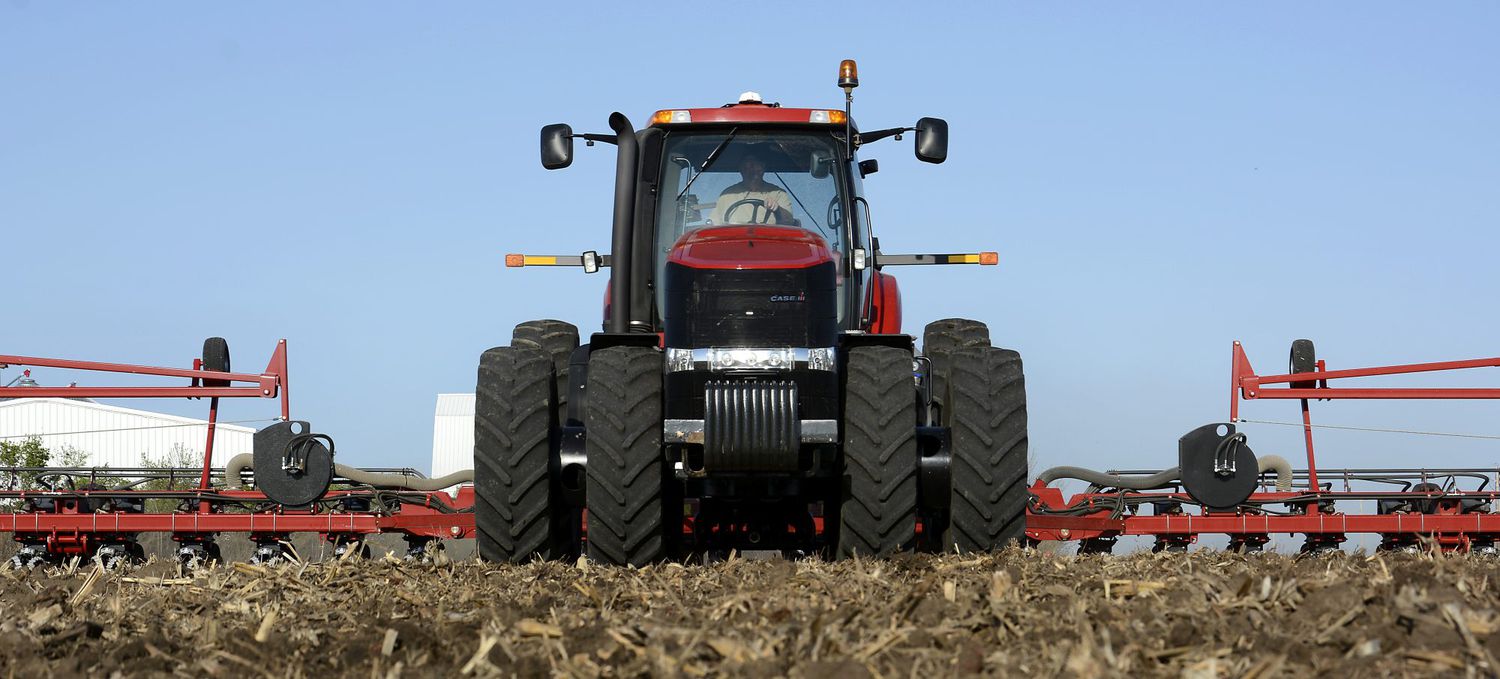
[1159, 180]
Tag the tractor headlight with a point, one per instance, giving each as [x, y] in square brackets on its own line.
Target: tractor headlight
[752, 359]
[679, 359]
[738, 358]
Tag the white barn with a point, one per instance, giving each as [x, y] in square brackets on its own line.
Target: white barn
[453, 434]
[114, 436]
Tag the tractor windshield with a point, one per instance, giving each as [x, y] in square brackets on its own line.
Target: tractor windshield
[741, 176]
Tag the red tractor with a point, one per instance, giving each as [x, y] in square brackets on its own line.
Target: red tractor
[751, 388]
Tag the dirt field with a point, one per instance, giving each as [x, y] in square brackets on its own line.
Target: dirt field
[1016, 614]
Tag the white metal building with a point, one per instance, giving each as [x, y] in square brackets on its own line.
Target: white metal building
[115, 436]
[453, 434]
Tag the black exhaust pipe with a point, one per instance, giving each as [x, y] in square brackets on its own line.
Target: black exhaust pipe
[626, 163]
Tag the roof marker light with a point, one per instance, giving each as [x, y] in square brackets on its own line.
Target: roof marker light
[667, 116]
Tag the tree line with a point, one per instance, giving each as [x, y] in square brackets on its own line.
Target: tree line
[16, 456]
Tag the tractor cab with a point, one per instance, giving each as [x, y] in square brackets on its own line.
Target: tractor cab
[757, 194]
[749, 172]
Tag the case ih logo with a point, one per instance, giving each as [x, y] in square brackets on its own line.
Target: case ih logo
[799, 297]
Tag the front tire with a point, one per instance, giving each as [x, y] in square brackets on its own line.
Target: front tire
[514, 514]
[878, 508]
[988, 494]
[626, 466]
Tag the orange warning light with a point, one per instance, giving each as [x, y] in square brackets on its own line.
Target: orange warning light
[848, 74]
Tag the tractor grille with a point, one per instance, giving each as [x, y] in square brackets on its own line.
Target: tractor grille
[751, 427]
[751, 307]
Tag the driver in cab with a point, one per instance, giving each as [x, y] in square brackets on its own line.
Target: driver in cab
[754, 200]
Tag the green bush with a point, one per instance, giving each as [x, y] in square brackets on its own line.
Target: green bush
[26, 453]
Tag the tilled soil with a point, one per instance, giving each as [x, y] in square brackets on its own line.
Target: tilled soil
[1012, 614]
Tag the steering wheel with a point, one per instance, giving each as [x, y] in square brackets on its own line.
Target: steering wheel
[756, 205]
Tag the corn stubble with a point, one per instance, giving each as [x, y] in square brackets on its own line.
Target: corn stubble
[1204, 614]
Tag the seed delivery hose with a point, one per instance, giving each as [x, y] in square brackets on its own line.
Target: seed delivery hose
[239, 463]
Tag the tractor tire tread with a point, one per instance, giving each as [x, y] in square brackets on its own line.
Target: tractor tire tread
[878, 512]
[940, 339]
[557, 339]
[626, 469]
[988, 496]
[512, 447]
[216, 358]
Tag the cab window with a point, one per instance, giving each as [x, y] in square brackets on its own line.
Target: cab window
[729, 176]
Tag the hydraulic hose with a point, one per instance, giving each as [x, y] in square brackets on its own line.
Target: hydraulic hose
[1161, 479]
[239, 463]
[380, 480]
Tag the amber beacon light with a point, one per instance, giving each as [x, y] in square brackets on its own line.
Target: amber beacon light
[848, 75]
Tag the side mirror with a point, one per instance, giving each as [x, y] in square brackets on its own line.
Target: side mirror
[932, 140]
[557, 146]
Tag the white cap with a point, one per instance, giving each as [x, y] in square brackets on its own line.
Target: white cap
[750, 98]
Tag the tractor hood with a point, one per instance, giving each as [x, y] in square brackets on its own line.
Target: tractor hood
[750, 247]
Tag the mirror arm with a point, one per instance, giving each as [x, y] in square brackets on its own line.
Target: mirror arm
[590, 138]
[869, 137]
